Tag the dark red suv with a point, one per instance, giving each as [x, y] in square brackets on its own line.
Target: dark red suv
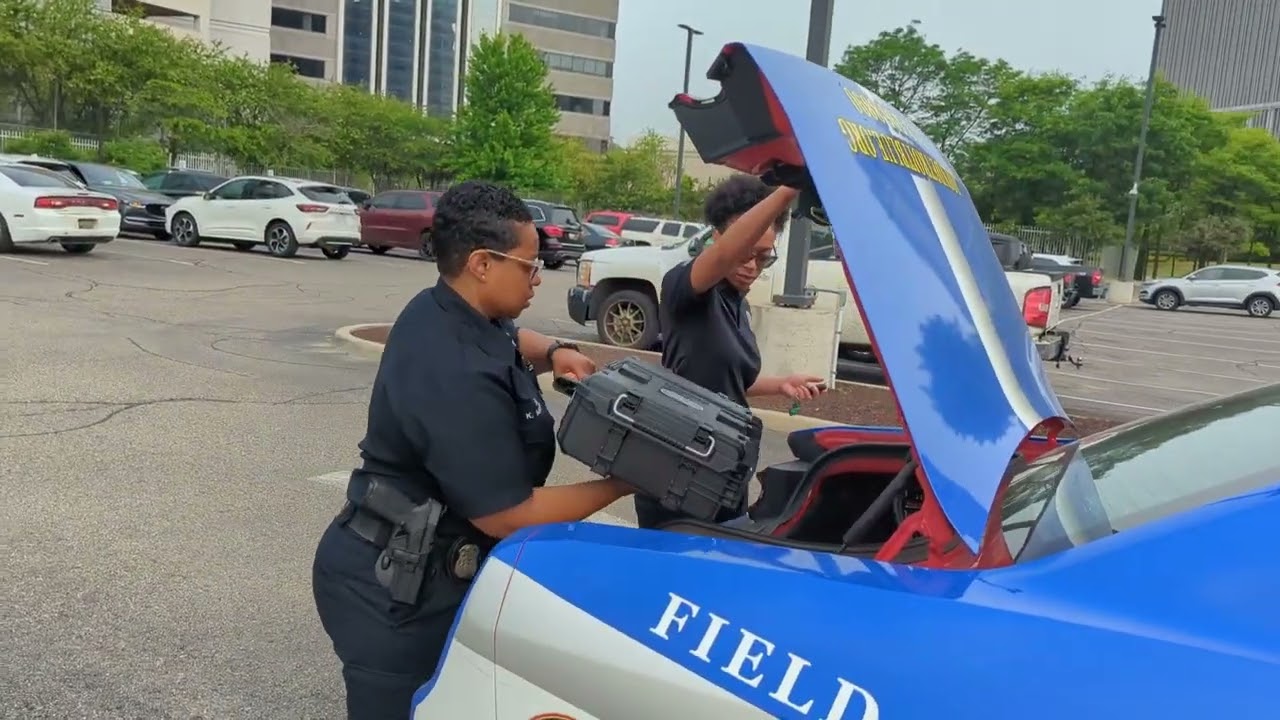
[399, 219]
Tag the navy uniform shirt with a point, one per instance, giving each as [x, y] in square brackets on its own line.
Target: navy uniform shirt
[706, 338]
[456, 413]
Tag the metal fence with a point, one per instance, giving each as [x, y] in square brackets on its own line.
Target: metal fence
[1042, 240]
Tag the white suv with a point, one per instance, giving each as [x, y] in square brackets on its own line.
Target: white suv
[281, 213]
[1254, 290]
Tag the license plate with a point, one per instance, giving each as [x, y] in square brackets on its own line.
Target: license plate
[86, 224]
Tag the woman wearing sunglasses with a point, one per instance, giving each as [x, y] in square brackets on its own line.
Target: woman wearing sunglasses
[705, 319]
[455, 416]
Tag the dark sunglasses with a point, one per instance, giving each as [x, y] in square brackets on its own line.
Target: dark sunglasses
[764, 260]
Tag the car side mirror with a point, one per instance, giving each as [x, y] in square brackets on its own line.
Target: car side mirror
[206, 195]
[366, 204]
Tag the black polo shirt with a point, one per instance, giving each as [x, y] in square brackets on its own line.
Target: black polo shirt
[706, 338]
[456, 414]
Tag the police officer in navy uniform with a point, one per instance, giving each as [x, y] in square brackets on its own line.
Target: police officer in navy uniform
[705, 319]
[456, 416]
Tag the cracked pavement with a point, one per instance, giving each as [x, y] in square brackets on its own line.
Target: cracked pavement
[165, 415]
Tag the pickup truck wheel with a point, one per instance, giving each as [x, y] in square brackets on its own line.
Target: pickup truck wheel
[555, 265]
[1166, 300]
[1260, 305]
[628, 319]
[1074, 300]
[378, 249]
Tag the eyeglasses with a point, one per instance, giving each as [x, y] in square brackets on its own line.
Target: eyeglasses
[535, 266]
[764, 260]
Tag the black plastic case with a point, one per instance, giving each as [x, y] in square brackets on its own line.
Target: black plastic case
[693, 450]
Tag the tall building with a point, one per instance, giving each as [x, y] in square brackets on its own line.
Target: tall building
[240, 26]
[1227, 51]
[305, 33]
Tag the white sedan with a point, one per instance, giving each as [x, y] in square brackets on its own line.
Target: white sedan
[281, 213]
[40, 207]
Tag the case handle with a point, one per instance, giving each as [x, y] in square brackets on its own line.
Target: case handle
[616, 411]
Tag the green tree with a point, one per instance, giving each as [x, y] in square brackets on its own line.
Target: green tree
[45, 45]
[948, 96]
[504, 130]
[1213, 238]
[637, 177]
[390, 140]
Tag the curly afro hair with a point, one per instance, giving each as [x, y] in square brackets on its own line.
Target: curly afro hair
[735, 196]
[471, 216]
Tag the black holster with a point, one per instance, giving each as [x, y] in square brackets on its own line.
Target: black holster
[403, 565]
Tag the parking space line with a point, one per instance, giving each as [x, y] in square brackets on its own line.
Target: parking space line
[22, 260]
[1111, 403]
[1194, 357]
[1145, 366]
[1197, 344]
[1198, 330]
[150, 257]
[1064, 318]
[1094, 378]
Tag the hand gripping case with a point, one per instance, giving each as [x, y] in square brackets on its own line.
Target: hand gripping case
[692, 449]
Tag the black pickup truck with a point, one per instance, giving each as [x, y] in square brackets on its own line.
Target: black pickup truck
[1079, 280]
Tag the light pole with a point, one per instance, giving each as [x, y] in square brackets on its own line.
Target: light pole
[795, 275]
[1134, 193]
[688, 59]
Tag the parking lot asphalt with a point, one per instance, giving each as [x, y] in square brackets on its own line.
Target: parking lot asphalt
[176, 425]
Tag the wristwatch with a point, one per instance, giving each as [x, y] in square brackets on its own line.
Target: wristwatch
[557, 345]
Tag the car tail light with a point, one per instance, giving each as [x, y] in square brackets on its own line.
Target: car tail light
[309, 208]
[1035, 307]
[57, 203]
[553, 231]
[1097, 276]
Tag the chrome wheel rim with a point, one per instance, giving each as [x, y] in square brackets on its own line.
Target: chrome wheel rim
[1166, 301]
[183, 229]
[1259, 306]
[624, 323]
[277, 239]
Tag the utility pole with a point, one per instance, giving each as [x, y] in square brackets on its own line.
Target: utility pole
[688, 59]
[1131, 225]
[817, 51]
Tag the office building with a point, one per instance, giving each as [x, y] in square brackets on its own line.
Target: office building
[1227, 51]
[240, 26]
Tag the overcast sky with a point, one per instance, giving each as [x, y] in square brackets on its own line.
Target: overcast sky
[1087, 38]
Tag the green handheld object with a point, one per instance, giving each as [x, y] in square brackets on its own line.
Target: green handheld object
[795, 408]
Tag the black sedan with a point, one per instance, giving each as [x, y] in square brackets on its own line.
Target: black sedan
[141, 209]
[598, 237]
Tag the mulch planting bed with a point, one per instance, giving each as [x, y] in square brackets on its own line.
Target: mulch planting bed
[846, 404]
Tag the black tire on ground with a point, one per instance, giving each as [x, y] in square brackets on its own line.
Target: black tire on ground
[555, 265]
[6, 242]
[243, 245]
[79, 248]
[1259, 306]
[378, 249]
[1166, 300]
[629, 319]
[427, 248]
[336, 253]
[185, 231]
[280, 240]
[1074, 301]
[161, 235]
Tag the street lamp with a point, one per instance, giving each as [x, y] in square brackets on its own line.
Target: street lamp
[1131, 225]
[688, 59]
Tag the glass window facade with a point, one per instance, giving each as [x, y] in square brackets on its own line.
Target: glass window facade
[527, 15]
[357, 43]
[578, 64]
[401, 48]
[442, 61]
[586, 106]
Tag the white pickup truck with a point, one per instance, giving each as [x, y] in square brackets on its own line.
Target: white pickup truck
[617, 288]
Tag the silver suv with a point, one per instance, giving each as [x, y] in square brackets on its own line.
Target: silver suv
[1255, 290]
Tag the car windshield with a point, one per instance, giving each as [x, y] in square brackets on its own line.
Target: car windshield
[1125, 479]
[564, 216]
[37, 177]
[599, 230]
[108, 176]
[326, 194]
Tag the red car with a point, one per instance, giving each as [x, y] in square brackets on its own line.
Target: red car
[611, 219]
[399, 219]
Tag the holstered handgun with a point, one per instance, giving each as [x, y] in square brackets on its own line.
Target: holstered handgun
[402, 566]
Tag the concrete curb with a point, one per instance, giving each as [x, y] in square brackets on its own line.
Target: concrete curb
[368, 347]
[773, 420]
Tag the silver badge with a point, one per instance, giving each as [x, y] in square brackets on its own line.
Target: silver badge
[467, 561]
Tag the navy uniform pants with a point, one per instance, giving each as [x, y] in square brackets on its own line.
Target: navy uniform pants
[388, 649]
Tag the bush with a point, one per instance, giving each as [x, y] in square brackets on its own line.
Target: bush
[49, 143]
[139, 154]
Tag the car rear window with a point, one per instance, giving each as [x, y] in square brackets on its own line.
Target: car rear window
[603, 218]
[564, 216]
[640, 225]
[1123, 480]
[325, 194]
[37, 178]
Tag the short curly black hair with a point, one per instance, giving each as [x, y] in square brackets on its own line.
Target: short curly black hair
[735, 196]
[474, 215]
